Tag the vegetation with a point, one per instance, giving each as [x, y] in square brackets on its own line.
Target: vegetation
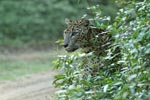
[41, 22]
[16, 65]
[131, 31]
[33, 21]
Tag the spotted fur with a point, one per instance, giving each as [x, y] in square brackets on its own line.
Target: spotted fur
[80, 34]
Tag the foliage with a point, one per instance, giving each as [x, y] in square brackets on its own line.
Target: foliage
[17, 65]
[35, 21]
[131, 31]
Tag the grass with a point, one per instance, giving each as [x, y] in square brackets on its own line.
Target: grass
[16, 65]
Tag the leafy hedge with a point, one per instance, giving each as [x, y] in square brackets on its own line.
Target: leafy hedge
[131, 30]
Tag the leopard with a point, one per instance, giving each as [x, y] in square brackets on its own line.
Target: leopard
[80, 34]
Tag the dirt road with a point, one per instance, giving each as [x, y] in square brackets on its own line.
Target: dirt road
[33, 87]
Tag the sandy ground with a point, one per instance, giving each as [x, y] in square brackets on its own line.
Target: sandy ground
[33, 87]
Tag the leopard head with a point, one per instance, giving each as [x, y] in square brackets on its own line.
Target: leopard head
[75, 34]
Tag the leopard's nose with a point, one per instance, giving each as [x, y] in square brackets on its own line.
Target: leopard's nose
[65, 45]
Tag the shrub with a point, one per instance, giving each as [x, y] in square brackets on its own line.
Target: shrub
[34, 20]
[131, 31]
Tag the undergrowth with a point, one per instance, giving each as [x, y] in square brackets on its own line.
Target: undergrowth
[131, 31]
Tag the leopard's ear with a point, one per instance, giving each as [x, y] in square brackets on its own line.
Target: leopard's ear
[67, 21]
[85, 22]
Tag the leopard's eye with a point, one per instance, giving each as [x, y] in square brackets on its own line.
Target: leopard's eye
[73, 34]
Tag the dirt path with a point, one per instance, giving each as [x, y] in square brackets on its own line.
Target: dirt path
[33, 87]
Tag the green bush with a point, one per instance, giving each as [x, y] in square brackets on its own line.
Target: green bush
[131, 31]
[35, 21]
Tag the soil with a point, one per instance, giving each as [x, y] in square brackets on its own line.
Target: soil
[33, 87]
